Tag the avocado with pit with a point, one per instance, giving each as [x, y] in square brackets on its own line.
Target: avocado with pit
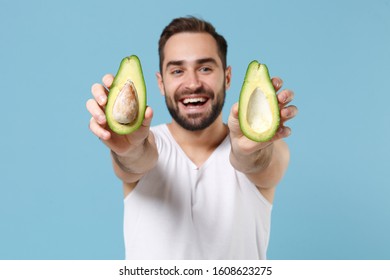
[126, 105]
[258, 110]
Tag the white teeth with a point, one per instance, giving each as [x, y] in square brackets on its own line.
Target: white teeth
[194, 100]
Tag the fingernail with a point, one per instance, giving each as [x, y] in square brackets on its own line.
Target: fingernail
[102, 99]
[286, 113]
[101, 118]
[280, 83]
[285, 97]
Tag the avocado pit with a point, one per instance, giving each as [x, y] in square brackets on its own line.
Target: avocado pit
[125, 109]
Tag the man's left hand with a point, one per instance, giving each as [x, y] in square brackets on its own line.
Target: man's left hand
[244, 146]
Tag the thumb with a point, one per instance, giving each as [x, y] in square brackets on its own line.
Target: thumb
[148, 117]
[233, 122]
[138, 136]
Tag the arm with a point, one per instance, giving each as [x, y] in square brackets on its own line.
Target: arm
[131, 165]
[263, 163]
[132, 155]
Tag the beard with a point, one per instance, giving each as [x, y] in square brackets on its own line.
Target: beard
[196, 121]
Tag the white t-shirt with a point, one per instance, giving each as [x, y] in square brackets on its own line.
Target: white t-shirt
[179, 211]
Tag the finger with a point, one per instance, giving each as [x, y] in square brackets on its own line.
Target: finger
[141, 134]
[285, 97]
[107, 80]
[99, 93]
[95, 110]
[282, 132]
[143, 130]
[289, 112]
[148, 117]
[99, 131]
[277, 83]
[235, 110]
[233, 122]
[233, 117]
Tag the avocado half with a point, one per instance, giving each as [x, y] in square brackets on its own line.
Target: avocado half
[126, 105]
[258, 110]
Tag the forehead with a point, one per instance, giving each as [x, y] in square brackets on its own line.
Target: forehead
[190, 47]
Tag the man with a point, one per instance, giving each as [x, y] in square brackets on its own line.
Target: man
[195, 188]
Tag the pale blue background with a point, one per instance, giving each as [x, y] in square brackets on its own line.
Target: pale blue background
[59, 198]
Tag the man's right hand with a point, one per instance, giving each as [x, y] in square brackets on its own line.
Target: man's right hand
[120, 144]
[135, 153]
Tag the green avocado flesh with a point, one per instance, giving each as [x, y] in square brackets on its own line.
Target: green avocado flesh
[126, 103]
[258, 110]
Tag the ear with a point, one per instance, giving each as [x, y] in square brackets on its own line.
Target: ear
[160, 83]
[228, 77]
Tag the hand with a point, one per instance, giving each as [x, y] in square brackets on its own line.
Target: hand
[120, 144]
[245, 146]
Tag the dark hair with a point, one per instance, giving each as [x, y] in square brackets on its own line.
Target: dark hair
[191, 24]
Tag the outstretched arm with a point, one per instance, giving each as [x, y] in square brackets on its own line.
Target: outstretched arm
[263, 163]
[133, 154]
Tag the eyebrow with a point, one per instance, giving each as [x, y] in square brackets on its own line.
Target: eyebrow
[198, 61]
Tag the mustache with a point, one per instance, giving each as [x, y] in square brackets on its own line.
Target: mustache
[180, 94]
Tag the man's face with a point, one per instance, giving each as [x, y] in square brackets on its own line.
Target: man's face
[193, 80]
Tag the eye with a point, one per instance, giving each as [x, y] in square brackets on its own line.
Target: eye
[176, 72]
[205, 69]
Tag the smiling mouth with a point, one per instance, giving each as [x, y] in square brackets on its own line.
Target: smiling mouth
[194, 101]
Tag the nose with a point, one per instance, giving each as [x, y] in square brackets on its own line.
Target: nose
[192, 81]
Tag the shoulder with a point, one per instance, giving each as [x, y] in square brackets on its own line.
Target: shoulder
[160, 133]
[162, 138]
[158, 129]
